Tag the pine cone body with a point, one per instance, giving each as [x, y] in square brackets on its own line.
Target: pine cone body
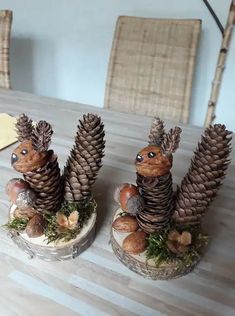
[157, 194]
[208, 168]
[48, 185]
[85, 158]
[24, 128]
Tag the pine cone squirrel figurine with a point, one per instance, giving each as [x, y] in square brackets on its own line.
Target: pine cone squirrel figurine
[38, 164]
[161, 208]
[44, 189]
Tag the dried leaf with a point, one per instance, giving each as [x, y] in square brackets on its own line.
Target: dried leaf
[62, 220]
[73, 219]
[174, 235]
[185, 238]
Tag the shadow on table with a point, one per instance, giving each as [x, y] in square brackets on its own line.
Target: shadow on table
[103, 192]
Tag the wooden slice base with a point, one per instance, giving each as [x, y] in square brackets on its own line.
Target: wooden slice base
[56, 251]
[139, 263]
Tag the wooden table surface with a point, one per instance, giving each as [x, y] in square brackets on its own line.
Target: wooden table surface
[96, 283]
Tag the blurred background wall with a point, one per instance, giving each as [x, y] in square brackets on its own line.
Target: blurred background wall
[61, 48]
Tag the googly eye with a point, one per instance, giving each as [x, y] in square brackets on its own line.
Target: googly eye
[151, 154]
[139, 158]
[24, 152]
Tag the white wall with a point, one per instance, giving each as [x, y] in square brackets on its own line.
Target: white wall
[60, 48]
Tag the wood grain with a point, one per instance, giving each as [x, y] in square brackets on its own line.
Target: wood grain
[96, 283]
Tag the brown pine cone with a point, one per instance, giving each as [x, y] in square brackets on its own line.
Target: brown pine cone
[204, 178]
[48, 185]
[156, 132]
[85, 158]
[41, 136]
[157, 194]
[24, 128]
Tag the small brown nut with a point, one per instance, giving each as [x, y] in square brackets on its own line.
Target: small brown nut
[125, 224]
[24, 213]
[135, 243]
[35, 227]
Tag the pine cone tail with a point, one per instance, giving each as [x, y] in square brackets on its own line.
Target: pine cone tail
[204, 178]
[157, 194]
[24, 128]
[85, 158]
[48, 185]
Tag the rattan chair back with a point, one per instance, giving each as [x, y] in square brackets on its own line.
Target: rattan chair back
[5, 31]
[151, 67]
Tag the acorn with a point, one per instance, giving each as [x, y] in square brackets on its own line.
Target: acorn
[14, 187]
[125, 224]
[127, 195]
[135, 243]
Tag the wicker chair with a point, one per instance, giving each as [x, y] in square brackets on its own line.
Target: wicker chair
[5, 30]
[151, 67]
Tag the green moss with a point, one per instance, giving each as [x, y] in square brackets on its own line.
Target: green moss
[17, 224]
[85, 210]
[122, 213]
[158, 251]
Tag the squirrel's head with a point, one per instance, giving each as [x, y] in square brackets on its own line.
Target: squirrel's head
[25, 158]
[32, 153]
[156, 159]
[151, 162]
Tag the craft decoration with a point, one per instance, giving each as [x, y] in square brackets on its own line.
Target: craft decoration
[161, 237]
[52, 211]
